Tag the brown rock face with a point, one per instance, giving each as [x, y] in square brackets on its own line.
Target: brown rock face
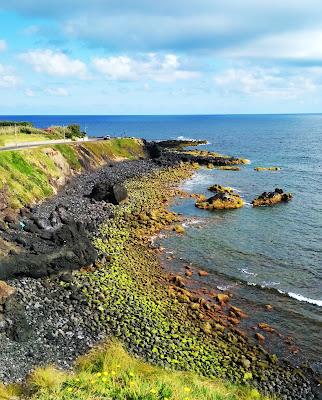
[6, 291]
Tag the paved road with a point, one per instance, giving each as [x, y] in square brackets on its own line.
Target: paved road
[28, 145]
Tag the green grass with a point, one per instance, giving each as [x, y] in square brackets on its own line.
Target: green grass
[110, 373]
[117, 148]
[70, 154]
[28, 174]
[21, 138]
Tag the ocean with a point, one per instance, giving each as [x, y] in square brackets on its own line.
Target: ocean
[266, 255]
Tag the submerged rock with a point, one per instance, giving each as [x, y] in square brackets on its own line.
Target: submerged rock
[271, 198]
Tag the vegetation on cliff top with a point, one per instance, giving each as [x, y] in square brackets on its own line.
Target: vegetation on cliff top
[31, 175]
[111, 373]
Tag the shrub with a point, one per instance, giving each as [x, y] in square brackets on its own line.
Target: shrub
[73, 130]
[17, 123]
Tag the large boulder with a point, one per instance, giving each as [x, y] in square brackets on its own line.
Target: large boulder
[114, 194]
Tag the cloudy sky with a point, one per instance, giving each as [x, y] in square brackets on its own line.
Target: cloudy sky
[160, 57]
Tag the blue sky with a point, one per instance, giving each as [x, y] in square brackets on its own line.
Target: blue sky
[151, 57]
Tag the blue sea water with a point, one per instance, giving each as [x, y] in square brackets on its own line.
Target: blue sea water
[266, 255]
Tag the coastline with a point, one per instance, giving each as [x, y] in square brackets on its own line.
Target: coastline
[131, 297]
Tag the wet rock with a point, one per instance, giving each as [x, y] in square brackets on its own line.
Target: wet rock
[221, 201]
[271, 198]
[259, 337]
[265, 327]
[178, 281]
[237, 311]
[179, 229]
[223, 298]
[203, 273]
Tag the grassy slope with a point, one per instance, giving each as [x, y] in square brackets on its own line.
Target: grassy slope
[28, 174]
[111, 373]
[8, 136]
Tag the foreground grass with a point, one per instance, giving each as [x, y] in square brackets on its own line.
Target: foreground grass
[111, 373]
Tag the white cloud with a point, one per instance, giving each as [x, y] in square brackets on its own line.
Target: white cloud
[149, 67]
[58, 91]
[265, 82]
[54, 63]
[3, 45]
[303, 45]
[7, 77]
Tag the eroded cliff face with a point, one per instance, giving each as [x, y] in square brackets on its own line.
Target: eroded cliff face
[29, 176]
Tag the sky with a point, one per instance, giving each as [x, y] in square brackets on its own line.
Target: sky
[160, 57]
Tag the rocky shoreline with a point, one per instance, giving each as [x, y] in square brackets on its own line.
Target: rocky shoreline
[122, 290]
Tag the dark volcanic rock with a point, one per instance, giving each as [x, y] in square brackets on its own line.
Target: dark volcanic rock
[114, 194]
[72, 250]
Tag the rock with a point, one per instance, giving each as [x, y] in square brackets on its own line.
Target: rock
[229, 168]
[223, 298]
[62, 214]
[10, 216]
[220, 189]
[42, 223]
[271, 198]
[114, 194]
[179, 229]
[6, 291]
[259, 337]
[203, 273]
[195, 306]
[265, 327]
[245, 362]
[237, 311]
[120, 193]
[267, 169]
[206, 328]
[268, 307]
[189, 273]
[178, 281]
[71, 249]
[221, 201]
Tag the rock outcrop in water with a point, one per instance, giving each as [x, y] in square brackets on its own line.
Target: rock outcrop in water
[267, 169]
[220, 201]
[221, 189]
[271, 198]
[224, 199]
